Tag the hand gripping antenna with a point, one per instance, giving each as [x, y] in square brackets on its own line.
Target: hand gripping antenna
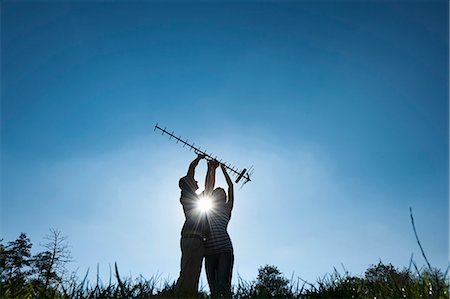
[242, 175]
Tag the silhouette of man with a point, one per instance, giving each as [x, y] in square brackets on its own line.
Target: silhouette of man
[219, 256]
[193, 233]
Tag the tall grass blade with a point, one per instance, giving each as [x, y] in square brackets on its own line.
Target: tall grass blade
[417, 239]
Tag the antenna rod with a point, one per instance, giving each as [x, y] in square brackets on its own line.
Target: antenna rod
[241, 174]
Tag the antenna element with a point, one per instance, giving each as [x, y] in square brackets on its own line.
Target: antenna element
[243, 175]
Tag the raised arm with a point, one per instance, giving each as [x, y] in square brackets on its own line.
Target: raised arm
[210, 179]
[193, 165]
[230, 201]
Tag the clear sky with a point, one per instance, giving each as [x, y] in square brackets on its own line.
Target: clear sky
[341, 106]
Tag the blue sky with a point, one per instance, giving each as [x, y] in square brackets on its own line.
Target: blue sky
[341, 106]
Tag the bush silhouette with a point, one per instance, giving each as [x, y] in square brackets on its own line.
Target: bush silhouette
[271, 284]
[44, 276]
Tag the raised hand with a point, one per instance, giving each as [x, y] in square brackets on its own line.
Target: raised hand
[213, 163]
[200, 156]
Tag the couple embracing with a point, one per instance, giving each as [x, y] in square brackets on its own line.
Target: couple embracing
[204, 233]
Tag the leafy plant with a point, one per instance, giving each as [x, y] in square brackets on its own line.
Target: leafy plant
[44, 275]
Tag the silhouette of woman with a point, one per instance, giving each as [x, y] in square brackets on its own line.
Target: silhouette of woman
[219, 256]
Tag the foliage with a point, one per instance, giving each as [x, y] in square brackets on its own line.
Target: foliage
[26, 276]
[15, 264]
[44, 275]
[269, 284]
[18, 280]
[382, 281]
[50, 265]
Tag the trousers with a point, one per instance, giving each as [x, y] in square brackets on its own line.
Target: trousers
[192, 253]
[219, 270]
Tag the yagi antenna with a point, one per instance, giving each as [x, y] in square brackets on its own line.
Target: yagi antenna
[243, 174]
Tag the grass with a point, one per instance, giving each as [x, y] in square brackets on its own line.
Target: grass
[379, 281]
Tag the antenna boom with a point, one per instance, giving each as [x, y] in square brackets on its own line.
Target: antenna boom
[241, 175]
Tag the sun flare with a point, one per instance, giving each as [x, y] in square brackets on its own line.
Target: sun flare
[204, 204]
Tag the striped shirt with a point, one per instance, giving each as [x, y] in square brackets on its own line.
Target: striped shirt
[218, 239]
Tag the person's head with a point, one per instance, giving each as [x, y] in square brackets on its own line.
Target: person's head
[188, 184]
[219, 195]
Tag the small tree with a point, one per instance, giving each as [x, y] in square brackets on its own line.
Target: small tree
[15, 265]
[50, 265]
[16, 259]
[271, 284]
